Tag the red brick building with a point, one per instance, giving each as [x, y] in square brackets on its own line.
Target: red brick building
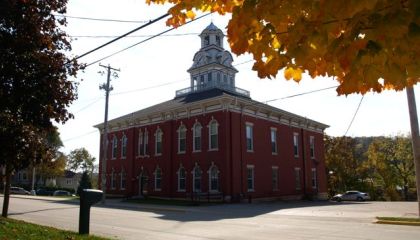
[213, 138]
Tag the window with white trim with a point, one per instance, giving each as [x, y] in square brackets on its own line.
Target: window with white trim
[113, 183]
[249, 137]
[197, 137]
[124, 140]
[181, 179]
[182, 138]
[312, 146]
[213, 135]
[314, 179]
[273, 136]
[158, 179]
[140, 148]
[296, 144]
[196, 179]
[158, 141]
[214, 179]
[250, 178]
[297, 178]
[123, 179]
[146, 143]
[275, 178]
[114, 147]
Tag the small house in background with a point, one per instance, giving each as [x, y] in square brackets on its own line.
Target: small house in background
[212, 139]
[70, 180]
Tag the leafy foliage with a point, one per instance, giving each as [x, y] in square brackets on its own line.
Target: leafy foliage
[85, 183]
[390, 161]
[367, 45]
[80, 159]
[378, 165]
[34, 84]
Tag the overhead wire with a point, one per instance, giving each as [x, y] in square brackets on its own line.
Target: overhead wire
[124, 35]
[99, 19]
[354, 115]
[133, 36]
[145, 40]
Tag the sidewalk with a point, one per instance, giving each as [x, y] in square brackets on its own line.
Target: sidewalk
[109, 203]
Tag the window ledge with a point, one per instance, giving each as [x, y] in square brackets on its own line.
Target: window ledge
[274, 153]
[196, 151]
[158, 154]
[181, 152]
[213, 149]
[250, 151]
[158, 190]
[251, 190]
[181, 190]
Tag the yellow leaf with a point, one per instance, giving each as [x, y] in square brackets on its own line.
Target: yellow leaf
[190, 14]
[296, 74]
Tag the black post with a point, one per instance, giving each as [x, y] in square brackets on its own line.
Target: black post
[88, 197]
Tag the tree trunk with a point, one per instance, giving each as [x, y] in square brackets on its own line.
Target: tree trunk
[415, 138]
[6, 195]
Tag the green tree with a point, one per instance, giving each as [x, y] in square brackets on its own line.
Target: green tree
[342, 164]
[85, 183]
[51, 168]
[34, 82]
[390, 161]
[81, 159]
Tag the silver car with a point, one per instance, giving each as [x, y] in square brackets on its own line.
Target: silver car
[351, 196]
[18, 190]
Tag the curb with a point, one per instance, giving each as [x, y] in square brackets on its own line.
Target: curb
[398, 223]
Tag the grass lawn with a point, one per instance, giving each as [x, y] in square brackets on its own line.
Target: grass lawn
[14, 229]
[399, 220]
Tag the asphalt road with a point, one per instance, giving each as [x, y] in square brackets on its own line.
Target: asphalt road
[290, 220]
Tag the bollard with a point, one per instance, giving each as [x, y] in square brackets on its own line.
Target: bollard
[88, 197]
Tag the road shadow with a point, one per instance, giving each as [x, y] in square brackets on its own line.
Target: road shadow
[214, 212]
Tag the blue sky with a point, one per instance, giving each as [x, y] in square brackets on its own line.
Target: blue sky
[151, 73]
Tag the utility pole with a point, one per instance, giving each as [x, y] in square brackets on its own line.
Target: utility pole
[106, 86]
[415, 137]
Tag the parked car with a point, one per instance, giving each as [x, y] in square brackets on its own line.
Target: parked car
[61, 193]
[18, 190]
[351, 196]
[44, 192]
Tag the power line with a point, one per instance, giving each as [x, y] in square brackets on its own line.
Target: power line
[145, 40]
[354, 116]
[85, 134]
[88, 105]
[99, 19]
[124, 35]
[134, 36]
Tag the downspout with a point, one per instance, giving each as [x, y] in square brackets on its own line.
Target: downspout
[304, 161]
[240, 147]
[231, 155]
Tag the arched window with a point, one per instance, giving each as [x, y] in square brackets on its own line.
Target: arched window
[158, 179]
[197, 137]
[213, 179]
[206, 40]
[181, 179]
[197, 179]
[182, 138]
[213, 135]
[158, 141]
[124, 141]
[114, 147]
[123, 179]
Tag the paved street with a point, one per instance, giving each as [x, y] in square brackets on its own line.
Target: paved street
[281, 220]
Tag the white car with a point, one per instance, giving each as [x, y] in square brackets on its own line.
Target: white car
[351, 196]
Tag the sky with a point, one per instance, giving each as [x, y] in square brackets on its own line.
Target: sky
[151, 72]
